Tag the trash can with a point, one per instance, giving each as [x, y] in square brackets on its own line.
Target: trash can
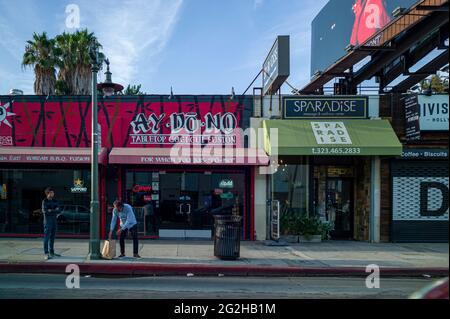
[227, 236]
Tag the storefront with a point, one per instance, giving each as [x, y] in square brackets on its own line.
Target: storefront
[419, 178]
[329, 162]
[24, 175]
[187, 156]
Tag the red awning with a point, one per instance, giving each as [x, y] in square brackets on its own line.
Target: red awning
[188, 156]
[50, 155]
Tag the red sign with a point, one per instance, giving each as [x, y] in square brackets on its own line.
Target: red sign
[141, 188]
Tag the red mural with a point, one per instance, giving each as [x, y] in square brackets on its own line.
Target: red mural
[142, 121]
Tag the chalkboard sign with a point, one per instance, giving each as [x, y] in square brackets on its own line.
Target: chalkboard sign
[412, 117]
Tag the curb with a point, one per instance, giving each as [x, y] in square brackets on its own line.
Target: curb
[133, 269]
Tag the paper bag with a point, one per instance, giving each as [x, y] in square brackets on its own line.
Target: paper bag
[109, 249]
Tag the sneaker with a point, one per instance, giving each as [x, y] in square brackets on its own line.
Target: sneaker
[55, 255]
[122, 255]
[47, 257]
[137, 256]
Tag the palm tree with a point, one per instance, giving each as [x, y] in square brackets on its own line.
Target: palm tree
[40, 54]
[75, 69]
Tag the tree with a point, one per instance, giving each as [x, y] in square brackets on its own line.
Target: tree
[74, 61]
[40, 54]
[437, 83]
[132, 90]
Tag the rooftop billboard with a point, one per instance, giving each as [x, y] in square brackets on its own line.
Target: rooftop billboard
[344, 22]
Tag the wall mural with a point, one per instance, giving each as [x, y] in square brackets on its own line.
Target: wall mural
[141, 121]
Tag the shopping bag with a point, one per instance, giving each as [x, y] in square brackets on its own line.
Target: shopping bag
[109, 249]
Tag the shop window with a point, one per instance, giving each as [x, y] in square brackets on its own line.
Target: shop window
[22, 194]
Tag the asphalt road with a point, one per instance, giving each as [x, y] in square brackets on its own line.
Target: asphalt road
[54, 286]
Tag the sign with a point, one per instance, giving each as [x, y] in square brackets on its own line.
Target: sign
[325, 107]
[275, 219]
[276, 67]
[226, 183]
[141, 188]
[147, 198]
[433, 112]
[412, 125]
[4, 193]
[409, 153]
[185, 128]
[227, 195]
[155, 186]
[78, 186]
[333, 133]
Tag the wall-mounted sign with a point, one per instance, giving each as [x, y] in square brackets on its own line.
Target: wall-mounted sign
[433, 112]
[227, 195]
[333, 133]
[78, 186]
[275, 220]
[147, 198]
[226, 183]
[325, 107]
[411, 153]
[141, 188]
[412, 124]
[155, 186]
[276, 67]
[218, 191]
[185, 128]
[4, 192]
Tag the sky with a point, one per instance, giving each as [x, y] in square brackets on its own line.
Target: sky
[194, 46]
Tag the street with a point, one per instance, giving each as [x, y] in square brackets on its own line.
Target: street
[53, 286]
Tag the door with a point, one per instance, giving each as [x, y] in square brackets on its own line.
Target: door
[339, 207]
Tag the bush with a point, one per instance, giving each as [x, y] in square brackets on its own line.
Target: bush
[296, 224]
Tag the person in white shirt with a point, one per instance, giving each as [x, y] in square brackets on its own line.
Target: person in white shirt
[127, 223]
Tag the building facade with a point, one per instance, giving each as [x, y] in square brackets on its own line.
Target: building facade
[186, 155]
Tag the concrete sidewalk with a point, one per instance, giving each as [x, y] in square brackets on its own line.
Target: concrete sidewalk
[181, 257]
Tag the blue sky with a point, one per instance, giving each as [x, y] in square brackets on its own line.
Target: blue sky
[196, 46]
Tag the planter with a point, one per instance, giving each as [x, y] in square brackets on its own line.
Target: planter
[289, 238]
[310, 239]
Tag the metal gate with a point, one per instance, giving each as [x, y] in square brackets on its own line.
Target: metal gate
[420, 194]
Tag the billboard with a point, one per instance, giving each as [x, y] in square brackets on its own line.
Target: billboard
[344, 22]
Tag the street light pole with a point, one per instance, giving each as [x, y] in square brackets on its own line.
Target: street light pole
[94, 239]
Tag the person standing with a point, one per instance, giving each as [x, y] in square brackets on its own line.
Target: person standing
[128, 223]
[50, 209]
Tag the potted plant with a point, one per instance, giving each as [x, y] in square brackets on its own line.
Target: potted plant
[289, 227]
[312, 229]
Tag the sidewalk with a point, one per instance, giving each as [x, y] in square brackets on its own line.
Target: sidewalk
[182, 257]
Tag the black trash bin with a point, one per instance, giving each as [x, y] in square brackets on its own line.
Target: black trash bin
[227, 236]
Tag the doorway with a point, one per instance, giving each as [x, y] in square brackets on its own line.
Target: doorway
[339, 207]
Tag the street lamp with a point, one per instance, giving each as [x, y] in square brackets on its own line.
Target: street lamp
[108, 89]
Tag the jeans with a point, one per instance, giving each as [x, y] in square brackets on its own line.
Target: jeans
[134, 234]
[49, 234]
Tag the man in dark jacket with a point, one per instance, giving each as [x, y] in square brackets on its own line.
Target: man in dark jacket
[50, 209]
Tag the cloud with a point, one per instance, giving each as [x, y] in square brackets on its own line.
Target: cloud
[133, 33]
[257, 3]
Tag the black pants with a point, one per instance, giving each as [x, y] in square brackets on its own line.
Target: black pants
[134, 234]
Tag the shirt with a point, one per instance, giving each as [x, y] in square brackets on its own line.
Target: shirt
[127, 218]
[50, 207]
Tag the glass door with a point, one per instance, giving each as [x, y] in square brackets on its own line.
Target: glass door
[339, 207]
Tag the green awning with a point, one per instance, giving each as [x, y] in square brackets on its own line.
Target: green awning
[331, 137]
